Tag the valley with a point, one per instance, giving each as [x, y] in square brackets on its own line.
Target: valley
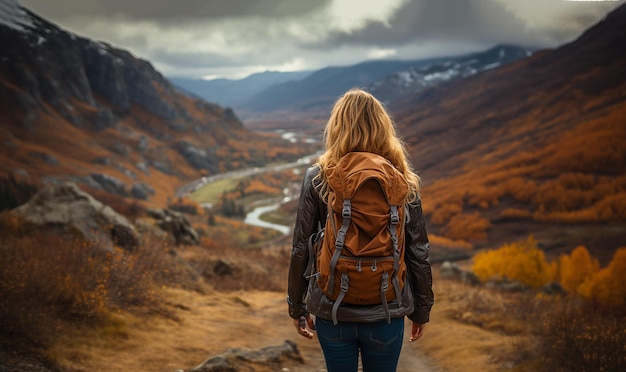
[145, 226]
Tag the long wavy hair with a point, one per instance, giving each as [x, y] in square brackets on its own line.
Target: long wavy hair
[359, 122]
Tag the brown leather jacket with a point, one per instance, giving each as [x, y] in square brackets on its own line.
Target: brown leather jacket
[305, 296]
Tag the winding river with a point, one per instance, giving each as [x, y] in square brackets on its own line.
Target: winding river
[253, 217]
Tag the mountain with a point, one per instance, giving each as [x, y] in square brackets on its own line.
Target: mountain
[389, 79]
[81, 110]
[231, 92]
[320, 89]
[416, 79]
[534, 147]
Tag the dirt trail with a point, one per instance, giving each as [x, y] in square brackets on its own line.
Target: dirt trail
[208, 325]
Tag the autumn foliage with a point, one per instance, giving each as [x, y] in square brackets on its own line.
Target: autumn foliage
[577, 176]
[521, 261]
[583, 331]
[578, 273]
[48, 279]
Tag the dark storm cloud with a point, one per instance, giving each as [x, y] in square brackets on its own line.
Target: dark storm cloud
[217, 37]
[173, 10]
[460, 20]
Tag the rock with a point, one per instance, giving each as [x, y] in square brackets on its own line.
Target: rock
[162, 167]
[110, 183]
[198, 158]
[102, 161]
[245, 359]
[450, 270]
[143, 166]
[49, 159]
[143, 143]
[73, 210]
[141, 191]
[176, 225]
[453, 271]
[104, 119]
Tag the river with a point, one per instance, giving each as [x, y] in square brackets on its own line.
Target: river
[253, 217]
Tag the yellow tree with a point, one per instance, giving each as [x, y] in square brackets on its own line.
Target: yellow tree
[577, 270]
[607, 286]
[521, 261]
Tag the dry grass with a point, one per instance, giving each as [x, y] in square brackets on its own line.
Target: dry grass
[470, 328]
[49, 282]
[475, 328]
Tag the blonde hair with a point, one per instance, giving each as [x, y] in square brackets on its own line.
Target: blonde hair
[359, 122]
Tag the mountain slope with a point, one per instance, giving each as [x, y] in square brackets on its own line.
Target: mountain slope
[416, 79]
[231, 92]
[386, 79]
[76, 109]
[534, 147]
[320, 89]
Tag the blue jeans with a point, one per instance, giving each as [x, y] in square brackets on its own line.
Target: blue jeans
[379, 343]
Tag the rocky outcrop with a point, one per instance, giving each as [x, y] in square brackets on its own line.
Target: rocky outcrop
[67, 208]
[238, 360]
[141, 191]
[110, 183]
[176, 225]
[198, 158]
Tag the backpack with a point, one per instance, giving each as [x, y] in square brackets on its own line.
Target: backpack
[359, 254]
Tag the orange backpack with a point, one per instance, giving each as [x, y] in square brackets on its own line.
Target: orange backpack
[360, 254]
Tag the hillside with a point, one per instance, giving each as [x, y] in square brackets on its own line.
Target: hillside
[415, 79]
[534, 147]
[82, 110]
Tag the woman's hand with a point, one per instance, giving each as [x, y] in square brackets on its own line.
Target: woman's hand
[417, 331]
[301, 325]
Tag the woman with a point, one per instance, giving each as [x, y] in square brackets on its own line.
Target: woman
[359, 122]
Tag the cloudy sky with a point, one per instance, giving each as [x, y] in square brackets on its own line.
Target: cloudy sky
[234, 38]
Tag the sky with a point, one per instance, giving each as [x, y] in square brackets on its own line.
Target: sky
[235, 38]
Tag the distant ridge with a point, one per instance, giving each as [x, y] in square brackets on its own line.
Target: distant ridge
[232, 92]
[387, 79]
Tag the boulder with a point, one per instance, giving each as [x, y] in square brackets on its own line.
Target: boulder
[141, 191]
[110, 183]
[451, 270]
[176, 225]
[70, 209]
[246, 359]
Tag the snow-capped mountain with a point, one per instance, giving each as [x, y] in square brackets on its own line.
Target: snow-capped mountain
[416, 79]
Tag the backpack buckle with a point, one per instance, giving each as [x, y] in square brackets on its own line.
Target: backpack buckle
[346, 210]
[344, 283]
[341, 237]
[395, 217]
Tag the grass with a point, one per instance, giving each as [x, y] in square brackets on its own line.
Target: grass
[211, 192]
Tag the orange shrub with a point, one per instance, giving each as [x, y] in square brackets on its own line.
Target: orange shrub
[607, 286]
[514, 213]
[521, 261]
[442, 214]
[484, 197]
[467, 227]
[577, 270]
